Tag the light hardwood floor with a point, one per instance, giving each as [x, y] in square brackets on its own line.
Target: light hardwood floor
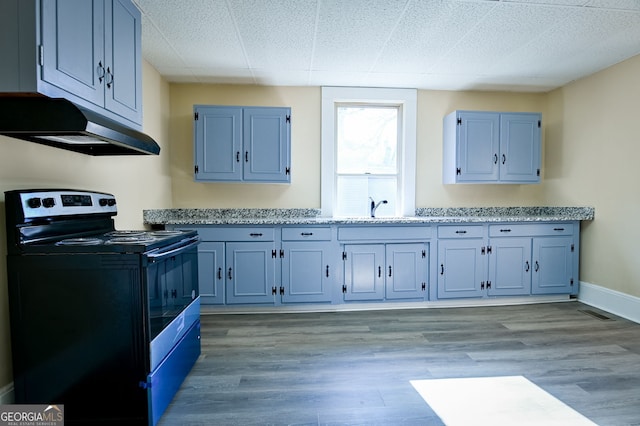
[354, 368]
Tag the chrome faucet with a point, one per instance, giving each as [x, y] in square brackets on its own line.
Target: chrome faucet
[375, 205]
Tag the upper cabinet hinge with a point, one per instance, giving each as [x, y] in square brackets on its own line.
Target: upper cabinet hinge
[196, 169]
[288, 119]
[458, 171]
[196, 116]
[344, 255]
[287, 171]
[274, 253]
[459, 121]
[424, 254]
[573, 248]
[489, 249]
[539, 123]
[538, 172]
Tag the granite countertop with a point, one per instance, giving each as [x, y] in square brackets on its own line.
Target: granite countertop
[313, 216]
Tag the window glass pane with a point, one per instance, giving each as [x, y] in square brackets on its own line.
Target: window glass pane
[367, 139]
[353, 192]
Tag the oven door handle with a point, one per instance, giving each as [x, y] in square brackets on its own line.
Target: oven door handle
[173, 249]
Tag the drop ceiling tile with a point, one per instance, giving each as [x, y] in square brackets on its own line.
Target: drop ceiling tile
[351, 34]
[200, 33]
[444, 44]
[505, 29]
[276, 35]
[427, 31]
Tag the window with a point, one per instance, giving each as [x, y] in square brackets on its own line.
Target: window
[366, 159]
[368, 151]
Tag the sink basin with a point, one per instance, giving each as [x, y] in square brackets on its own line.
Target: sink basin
[392, 219]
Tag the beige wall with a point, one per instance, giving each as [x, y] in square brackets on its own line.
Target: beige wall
[138, 182]
[594, 155]
[304, 191]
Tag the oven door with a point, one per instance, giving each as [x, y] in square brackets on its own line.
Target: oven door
[172, 287]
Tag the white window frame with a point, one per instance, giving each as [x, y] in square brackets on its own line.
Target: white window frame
[406, 99]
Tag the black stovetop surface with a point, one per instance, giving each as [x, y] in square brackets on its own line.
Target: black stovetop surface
[116, 241]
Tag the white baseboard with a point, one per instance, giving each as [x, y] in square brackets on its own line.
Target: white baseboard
[451, 303]
[6, 394]
[615, 302]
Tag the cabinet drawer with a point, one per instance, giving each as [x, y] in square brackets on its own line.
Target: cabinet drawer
[306, 234]
[530, 230]
[460, 231]
[215, 233]
[386, 233]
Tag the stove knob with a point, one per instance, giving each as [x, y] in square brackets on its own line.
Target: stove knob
[112, 202]
[34, 203]
[48, 202]
[103, 202]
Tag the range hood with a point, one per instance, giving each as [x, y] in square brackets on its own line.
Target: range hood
[62, 124]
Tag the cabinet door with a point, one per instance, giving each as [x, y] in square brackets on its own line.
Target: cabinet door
[552, 265]
[123, 60]
[478, 146]
[73, 47]
[306, 271]
[250, 272]
[218, 143]
[520, 145]
[266, 144]
[211, 273]
[510, 267]
[406, 271]
[363, 272]
[461, 268]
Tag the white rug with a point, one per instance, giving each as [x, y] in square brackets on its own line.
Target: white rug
[511, 400]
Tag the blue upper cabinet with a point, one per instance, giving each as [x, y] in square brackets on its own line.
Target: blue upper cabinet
[123, 53]
[87, 51]
[242, 144]
[491, 147]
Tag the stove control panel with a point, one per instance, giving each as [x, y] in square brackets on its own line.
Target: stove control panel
[50, 203]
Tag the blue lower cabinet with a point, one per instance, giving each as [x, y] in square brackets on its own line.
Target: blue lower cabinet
[461, 268]
[377, 272]
[250, 272]
[552, 265]
[510, 267]
[406, 271]
[363, 272]
[211, 272]
[307, 271]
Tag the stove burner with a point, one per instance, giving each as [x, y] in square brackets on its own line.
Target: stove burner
[125, 233]
[80, 242]
[163, 233]
[142, 238]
